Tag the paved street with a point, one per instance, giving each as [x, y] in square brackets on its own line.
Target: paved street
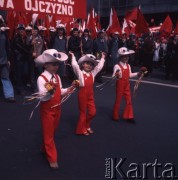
[153, 136]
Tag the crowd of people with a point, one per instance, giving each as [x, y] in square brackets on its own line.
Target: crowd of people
[17, 55]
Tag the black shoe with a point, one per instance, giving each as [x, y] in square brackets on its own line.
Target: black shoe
[11, 99]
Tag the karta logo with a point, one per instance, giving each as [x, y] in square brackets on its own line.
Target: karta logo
[121, 169]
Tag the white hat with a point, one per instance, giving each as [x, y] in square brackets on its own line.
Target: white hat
[60, 26]
[88, 58]
[124, 51]
[28, 28]
[116, 32]
[7, 28]
[50, 55]
[101, 31]
[42, 28]
[52, 29]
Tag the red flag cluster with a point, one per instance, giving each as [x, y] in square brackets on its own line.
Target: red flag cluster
[133, 22]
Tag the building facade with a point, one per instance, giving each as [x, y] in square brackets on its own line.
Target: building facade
[147, 6]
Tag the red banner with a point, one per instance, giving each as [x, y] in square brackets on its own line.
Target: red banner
[69, 8]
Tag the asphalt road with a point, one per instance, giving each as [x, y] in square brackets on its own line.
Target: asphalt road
[152, 139]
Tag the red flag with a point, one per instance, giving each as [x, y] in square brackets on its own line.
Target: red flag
[132, 14]
[114, 23]
[166, 27]
[141, 24]
[91, 24]
[176, 29]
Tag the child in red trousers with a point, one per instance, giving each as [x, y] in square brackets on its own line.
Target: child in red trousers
[123, 71]
[86, 69]
[50, 87]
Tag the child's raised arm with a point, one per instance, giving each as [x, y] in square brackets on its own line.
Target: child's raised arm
[100, 65]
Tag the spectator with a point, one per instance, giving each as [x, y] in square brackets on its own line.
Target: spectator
[59, 42]
[74, 43]
[87, 43]
[100, 45]
[21, 54]
[4, 64]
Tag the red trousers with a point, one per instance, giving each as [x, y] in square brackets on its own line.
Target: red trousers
[49, 121]
[86, 105]
[123, 90]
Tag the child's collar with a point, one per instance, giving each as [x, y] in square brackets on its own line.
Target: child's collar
[87, 73]
[48, 73]
[122, 63]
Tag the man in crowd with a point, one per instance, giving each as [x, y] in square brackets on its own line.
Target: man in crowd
[5, 64]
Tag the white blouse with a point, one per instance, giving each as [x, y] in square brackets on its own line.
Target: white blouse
[124, 65]
[41, 85]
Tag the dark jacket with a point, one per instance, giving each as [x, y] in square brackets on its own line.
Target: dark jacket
[100, 45]
[20, 45]
[4, 48]
[58, 44]
[87, 45]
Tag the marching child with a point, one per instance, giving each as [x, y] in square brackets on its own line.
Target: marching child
[123, 72]
[86, 69]
[49, 85]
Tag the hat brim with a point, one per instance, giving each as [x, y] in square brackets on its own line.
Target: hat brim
[46, 58]
[127, 53]
[87, 59]
[52, 30]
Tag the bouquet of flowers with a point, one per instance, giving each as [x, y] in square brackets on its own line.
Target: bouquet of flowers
[50, 88]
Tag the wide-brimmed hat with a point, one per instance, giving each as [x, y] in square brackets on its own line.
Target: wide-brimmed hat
[28, 28]
[124, 51]
[88, 58]
[60, 26]
[42, 28]
[49, 56]
[116, 32]
[52, 29]
[101, 31]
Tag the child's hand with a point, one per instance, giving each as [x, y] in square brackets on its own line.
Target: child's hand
[118, 74]
[76, 83]
[71, 54]
[103, 55]
[143, 70]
